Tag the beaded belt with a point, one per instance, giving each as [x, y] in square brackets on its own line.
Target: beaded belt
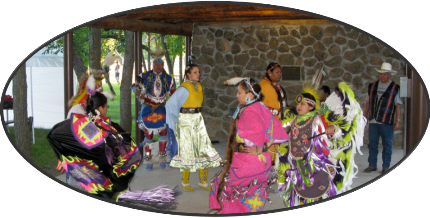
[191, 110]
[240, 146]
[153, 105]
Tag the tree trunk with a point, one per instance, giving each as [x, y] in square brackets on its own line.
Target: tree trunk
[180, 68]
[78, 63]
[107, 80]
[149, 47]
[173, 62]
[95, 48]
[127, 74]
[22, 125]
[95, 53]
[143, 62]
[169, 62]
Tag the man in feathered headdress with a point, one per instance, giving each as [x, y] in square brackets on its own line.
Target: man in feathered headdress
[152, 91]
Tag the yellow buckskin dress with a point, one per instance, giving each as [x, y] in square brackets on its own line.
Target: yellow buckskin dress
[195, 150]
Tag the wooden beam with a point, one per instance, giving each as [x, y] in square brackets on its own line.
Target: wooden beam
[143, 26]
[196, 9]
[221, 19]
[269, 22]
[213, 13]
[226, 14]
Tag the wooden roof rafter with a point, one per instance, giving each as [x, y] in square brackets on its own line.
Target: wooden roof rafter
[144, 26]
[179, 20]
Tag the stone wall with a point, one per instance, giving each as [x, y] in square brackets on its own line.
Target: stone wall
[225, 51]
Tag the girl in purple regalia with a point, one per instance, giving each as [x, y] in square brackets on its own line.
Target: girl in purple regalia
[243, 185]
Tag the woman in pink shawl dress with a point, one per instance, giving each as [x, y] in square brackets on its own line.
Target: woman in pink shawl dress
[243, 185]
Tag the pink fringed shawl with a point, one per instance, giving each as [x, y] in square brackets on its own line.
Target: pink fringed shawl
[247, 184]
[257, 124]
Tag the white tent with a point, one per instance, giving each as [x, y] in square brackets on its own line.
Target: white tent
[45, 89]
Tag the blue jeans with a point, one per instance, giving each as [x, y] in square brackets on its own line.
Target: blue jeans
[386, 132]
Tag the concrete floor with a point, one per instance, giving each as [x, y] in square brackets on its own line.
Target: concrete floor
[197, 201]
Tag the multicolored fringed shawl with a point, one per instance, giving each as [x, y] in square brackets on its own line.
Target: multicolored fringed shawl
[247, 184]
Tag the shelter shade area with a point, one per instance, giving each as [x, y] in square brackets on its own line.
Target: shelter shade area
[228, 40]
[233, 40]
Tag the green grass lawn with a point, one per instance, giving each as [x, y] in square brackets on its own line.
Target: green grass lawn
[43, 154]
[114, 107]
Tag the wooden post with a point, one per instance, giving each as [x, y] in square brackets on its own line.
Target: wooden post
[417, 111]
[187, 50]
[68, 70]
[137, 70]
[149, 55]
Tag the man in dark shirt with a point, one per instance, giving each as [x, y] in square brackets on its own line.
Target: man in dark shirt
[383, 113]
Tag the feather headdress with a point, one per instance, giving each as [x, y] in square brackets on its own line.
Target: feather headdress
[157, 54]
[91, 82]
[313, 85]
[82, 91]
[317, 79]
[234, 81]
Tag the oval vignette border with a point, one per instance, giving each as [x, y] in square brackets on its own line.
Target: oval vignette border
[190, 3]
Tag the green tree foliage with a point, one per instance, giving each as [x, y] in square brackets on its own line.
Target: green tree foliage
[112, 40]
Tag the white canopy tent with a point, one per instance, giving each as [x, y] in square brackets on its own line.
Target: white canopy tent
[45, 89]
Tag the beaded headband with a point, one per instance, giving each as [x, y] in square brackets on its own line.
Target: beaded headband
[159, 61]
[273, 67]
[301, 98]
[248, 83]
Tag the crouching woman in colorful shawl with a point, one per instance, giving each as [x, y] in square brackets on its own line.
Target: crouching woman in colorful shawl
[188, 142]
[243, 185]
[100, 158]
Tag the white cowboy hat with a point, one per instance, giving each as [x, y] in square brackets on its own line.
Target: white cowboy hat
[386, 67]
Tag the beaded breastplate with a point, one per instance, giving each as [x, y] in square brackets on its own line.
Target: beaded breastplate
[300, 132]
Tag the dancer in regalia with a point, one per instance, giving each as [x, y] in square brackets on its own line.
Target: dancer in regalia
[319, 160]
[243, 185]
[153, 89]
[275, 96]
[100, 158]
[91, 82]
[189, 144]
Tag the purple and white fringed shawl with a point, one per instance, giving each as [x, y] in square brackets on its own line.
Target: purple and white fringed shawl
[161, 198]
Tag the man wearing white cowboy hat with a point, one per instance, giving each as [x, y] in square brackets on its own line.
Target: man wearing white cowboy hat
[383, 112]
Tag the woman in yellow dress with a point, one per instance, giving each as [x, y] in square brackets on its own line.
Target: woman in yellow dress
[188, 142]
[275, 98]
